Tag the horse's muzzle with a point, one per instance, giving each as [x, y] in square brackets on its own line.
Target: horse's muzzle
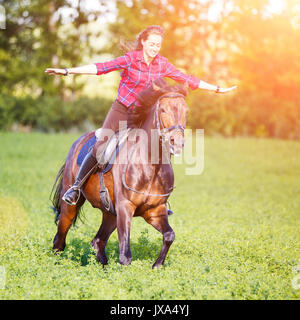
[176, 143]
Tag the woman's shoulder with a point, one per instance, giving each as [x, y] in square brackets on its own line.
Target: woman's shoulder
[130, 56]
[135, 54]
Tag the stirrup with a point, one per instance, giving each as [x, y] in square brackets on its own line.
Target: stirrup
[74, 202]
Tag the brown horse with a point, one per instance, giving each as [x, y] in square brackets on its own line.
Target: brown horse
[137, 188]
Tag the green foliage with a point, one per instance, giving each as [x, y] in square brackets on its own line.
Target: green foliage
[50, 113]
[7, 103]
[58, 115]
[237, 230]
[258, 116]
[237, 47]
[35, 38]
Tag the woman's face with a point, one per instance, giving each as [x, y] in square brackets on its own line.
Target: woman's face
[152, 45]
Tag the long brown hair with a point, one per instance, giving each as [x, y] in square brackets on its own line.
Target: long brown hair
[127, 46]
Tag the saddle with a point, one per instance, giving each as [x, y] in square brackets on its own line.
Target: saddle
[112, 148]
[105, 161]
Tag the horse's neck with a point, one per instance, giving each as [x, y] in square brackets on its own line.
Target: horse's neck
[150, 121]
[149, 126]
[156, 171]
[154, 142]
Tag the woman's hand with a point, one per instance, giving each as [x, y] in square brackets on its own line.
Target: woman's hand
[225, 90]
[206, 86]
[56, 71]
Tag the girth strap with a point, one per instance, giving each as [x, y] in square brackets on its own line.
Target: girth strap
[104, 196]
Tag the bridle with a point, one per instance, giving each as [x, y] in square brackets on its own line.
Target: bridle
[162, 131]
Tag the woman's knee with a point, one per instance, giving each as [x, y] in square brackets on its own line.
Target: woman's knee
[98, 149]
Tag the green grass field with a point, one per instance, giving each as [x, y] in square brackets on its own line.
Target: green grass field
[236, 225]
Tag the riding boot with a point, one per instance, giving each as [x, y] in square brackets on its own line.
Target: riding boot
[87, 167]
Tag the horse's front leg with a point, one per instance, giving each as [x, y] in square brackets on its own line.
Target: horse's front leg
[158, 218]
[108, 225]
[125, 211]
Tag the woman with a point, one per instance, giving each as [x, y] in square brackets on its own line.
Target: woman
[141, 65]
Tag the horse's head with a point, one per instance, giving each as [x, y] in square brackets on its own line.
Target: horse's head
[171, 110]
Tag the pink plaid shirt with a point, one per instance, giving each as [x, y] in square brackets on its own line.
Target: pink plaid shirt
[137, 75]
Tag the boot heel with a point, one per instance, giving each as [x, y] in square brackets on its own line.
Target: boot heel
[86, 169]
[67, 200]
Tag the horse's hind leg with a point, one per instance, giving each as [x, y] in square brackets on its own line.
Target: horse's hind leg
[67, 215]
[109, 224]
[158, 218]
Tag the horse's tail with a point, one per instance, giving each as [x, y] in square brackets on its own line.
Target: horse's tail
[56, 192]
[55, 197]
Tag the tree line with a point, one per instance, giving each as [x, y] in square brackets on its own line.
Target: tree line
[247, 43]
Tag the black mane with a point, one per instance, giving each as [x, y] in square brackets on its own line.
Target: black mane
[149, 96]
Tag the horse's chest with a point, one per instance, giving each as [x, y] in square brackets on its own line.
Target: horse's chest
[152, 179]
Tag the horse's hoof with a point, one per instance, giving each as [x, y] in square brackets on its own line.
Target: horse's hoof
[125, 261]
[102, 259]
[57, 251]
[58, 246]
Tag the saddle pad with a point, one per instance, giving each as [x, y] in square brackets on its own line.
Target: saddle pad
[111, 150]
[85, 149]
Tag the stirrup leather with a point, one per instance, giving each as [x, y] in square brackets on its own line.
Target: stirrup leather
[74, 202]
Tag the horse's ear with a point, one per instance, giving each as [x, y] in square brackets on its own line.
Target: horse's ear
[155, 87]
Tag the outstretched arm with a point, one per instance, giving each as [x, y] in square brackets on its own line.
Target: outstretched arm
[88, 69]
[194, 82]
[206, 86]
[95, 68]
